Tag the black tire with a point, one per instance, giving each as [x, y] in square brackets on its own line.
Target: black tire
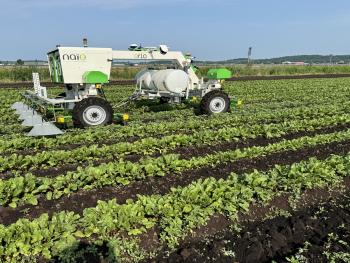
[215, 101]
[164, 100]
[93, 111]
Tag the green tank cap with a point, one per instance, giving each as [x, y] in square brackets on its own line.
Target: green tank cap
[95, 77]
[219, 73]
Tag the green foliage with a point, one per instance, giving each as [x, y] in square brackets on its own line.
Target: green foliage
[22, 73]
[26, 189]
[175, 213]
[148, 146]
[272, 110]
[279, 70]
[19, 72]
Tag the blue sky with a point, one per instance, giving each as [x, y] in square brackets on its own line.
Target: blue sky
[209, 29]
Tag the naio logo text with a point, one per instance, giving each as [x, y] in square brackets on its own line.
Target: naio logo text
[74, 57]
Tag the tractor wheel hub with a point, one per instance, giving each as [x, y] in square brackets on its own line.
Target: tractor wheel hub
[217, 105]
[94, 115]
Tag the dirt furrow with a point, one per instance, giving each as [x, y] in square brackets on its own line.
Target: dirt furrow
[131, 139]
[266, 236]
[184, 152]
[77, 202]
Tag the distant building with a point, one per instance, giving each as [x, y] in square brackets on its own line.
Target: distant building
[299, 63]
[36, 63]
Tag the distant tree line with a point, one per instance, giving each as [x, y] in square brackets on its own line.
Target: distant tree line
[311, 59]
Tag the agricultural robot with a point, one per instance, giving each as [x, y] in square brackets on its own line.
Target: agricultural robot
[84, 70]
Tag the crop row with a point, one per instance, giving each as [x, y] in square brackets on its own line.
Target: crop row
[151, 145]
[175, 213]
[115, 132]
[289, 89]
[27, 189]
[254, 89]
[251, 92]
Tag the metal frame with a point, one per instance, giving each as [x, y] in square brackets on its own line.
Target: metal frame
[72, 62]
[76, 90]
[77, 67]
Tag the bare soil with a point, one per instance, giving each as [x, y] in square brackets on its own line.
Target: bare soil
[274, 239]
[82, 199]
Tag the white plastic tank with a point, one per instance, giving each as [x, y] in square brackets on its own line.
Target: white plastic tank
[145, 79]
[171, 80]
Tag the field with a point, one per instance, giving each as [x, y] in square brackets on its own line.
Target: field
[24, 73]
[268, 181]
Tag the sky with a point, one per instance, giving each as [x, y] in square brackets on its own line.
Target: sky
[210, 30]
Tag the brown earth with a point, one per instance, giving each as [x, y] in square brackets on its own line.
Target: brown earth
[82, 199]
[184, 152]
[265, 238]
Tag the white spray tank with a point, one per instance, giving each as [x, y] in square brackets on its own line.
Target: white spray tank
[169, 80]
[144, 78]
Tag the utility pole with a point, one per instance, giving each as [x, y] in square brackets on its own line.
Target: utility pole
[250, 55]
[330, 59]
